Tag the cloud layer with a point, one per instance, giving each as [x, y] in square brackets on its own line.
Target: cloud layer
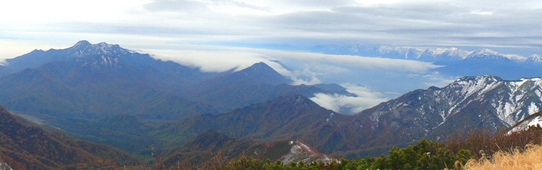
[303, 67]
[362, 99]
[509, 25]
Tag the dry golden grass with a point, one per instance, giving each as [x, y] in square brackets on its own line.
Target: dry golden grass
[529, 159]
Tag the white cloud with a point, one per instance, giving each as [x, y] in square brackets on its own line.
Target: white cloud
[210, 60]
[363, 98]
[306, 67]
[31, 12]
[306, 64]
[433, 79]
[353, 61]
[478, 12]
[310, 81]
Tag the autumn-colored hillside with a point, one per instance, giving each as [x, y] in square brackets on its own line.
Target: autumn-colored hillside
[29, 147]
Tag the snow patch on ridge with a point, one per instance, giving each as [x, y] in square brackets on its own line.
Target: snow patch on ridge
[536, 121]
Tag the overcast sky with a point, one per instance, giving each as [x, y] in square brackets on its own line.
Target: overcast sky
[506, 25]
[208, 33]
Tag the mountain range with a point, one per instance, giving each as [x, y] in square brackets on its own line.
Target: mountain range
[91, 80]
[455, 62]
[423, 54]
[481, 102]
[106, 94]
[111, 95]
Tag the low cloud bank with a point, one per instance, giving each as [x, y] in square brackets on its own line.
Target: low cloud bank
[362, 98]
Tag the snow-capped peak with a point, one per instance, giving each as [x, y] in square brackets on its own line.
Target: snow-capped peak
[81, 44]
[515, 57]
[84, 49]
[477, 79]
[385, 49]
[490, 54]
[428, 54]
[535, 58]
[484, 53]
[456, 52]
[477, 84]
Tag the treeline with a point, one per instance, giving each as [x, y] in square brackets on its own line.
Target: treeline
[451, 154]
[424, 155]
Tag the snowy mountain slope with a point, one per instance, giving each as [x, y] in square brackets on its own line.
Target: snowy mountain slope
[102, 53]
[533, 120]
[510, 100]
[475, 102]
[105, 56]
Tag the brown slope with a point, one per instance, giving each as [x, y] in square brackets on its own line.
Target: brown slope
[36, 148]
[291, 117]
[213, 147]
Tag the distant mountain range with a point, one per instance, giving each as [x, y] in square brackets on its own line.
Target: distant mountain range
[455, 62]
[423, 54]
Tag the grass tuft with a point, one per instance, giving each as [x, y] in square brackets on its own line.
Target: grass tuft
[529, 159]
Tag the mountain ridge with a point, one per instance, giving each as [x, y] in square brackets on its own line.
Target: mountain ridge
[93, 79]
[476, 102]
[423, 54]
[471, 102]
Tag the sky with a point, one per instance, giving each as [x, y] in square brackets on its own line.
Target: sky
[217, 35]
